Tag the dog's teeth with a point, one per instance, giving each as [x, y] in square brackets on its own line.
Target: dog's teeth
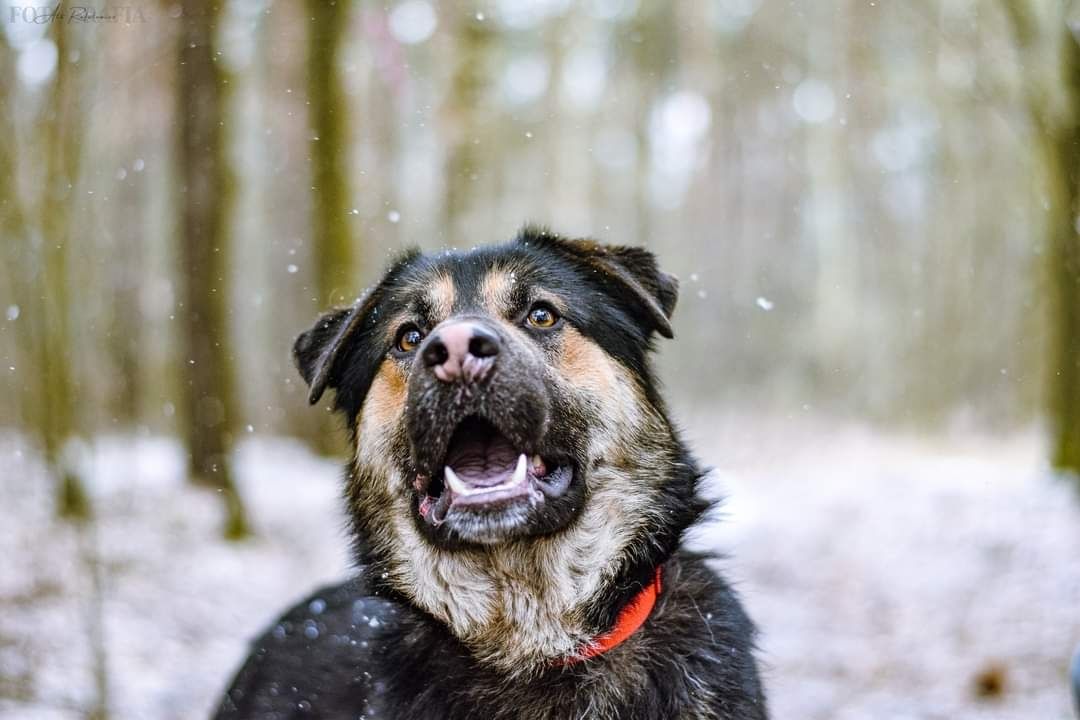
[537, 463]
[455, 482]
[458, 487]
[519, 471]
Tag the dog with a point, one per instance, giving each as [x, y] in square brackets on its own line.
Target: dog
[518, 498]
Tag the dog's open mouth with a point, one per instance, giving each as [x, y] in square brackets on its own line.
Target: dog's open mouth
[484, 472]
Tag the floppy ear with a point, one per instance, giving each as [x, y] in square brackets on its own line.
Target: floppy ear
[636, 268]
[317, 349]
[633, 270]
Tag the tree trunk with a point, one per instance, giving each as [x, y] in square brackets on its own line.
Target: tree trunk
[204, 201]
[465, 122]
[16, 255]
[1054, 109]
[331, 233]
[125, 237]
[332, 237]
[651, 45]
[1061, 144]
[56, 421]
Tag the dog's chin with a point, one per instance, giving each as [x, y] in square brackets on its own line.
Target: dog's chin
[488, 491]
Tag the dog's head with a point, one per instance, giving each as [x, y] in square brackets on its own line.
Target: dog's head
[503, 413]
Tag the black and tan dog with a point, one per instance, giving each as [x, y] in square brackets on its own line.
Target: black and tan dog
[518, 497]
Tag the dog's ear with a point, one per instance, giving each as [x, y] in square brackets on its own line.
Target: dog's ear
[633, 271]
[317, 349]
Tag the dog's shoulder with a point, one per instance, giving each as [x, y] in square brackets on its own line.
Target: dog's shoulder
[703, 628]
[322, 653]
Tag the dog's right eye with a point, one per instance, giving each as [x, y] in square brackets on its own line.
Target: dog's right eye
[542, 316]
[408, 338]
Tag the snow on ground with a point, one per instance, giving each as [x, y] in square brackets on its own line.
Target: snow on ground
[886, 573]
[180, 605]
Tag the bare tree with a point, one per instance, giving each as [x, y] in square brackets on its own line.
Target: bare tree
[465, 119]
[331, 231]
[332, 236]
[125, 237]
[15, 253]
[58, 389]
[651, 46]
[1051, 61]
[207, 377]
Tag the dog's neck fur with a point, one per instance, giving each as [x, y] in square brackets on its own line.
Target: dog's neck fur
[523, 605]
[689, 630]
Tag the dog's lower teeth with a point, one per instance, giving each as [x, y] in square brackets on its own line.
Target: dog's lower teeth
[459, 487]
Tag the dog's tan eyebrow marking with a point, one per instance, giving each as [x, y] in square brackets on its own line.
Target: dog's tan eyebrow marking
[503, 293]
[440, 296]
[496, 291]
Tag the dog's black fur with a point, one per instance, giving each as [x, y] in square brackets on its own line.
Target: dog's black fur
[493, 634]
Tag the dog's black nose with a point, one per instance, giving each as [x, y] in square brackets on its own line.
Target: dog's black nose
[461, 349]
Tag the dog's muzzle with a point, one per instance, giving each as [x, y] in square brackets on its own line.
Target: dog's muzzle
[478, 412]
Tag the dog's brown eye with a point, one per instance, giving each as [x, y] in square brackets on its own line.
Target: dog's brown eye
[408, 339]
[542, 316]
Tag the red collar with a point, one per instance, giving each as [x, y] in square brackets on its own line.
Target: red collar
[631, 617]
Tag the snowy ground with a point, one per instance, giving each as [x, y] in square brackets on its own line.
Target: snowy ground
[887, 573]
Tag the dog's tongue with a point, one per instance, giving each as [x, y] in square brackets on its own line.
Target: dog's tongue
[481, 459]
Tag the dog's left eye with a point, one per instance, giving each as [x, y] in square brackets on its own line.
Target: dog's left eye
[408, 338]
[542, 316]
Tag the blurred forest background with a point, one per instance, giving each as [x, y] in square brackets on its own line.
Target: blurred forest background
[872, 206]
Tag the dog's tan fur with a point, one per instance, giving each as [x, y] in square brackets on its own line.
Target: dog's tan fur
[518, 605]
[495, 289]
[441, 295]
[384, 406]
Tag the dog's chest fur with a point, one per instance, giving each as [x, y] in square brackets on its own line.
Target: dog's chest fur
[367, 656]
